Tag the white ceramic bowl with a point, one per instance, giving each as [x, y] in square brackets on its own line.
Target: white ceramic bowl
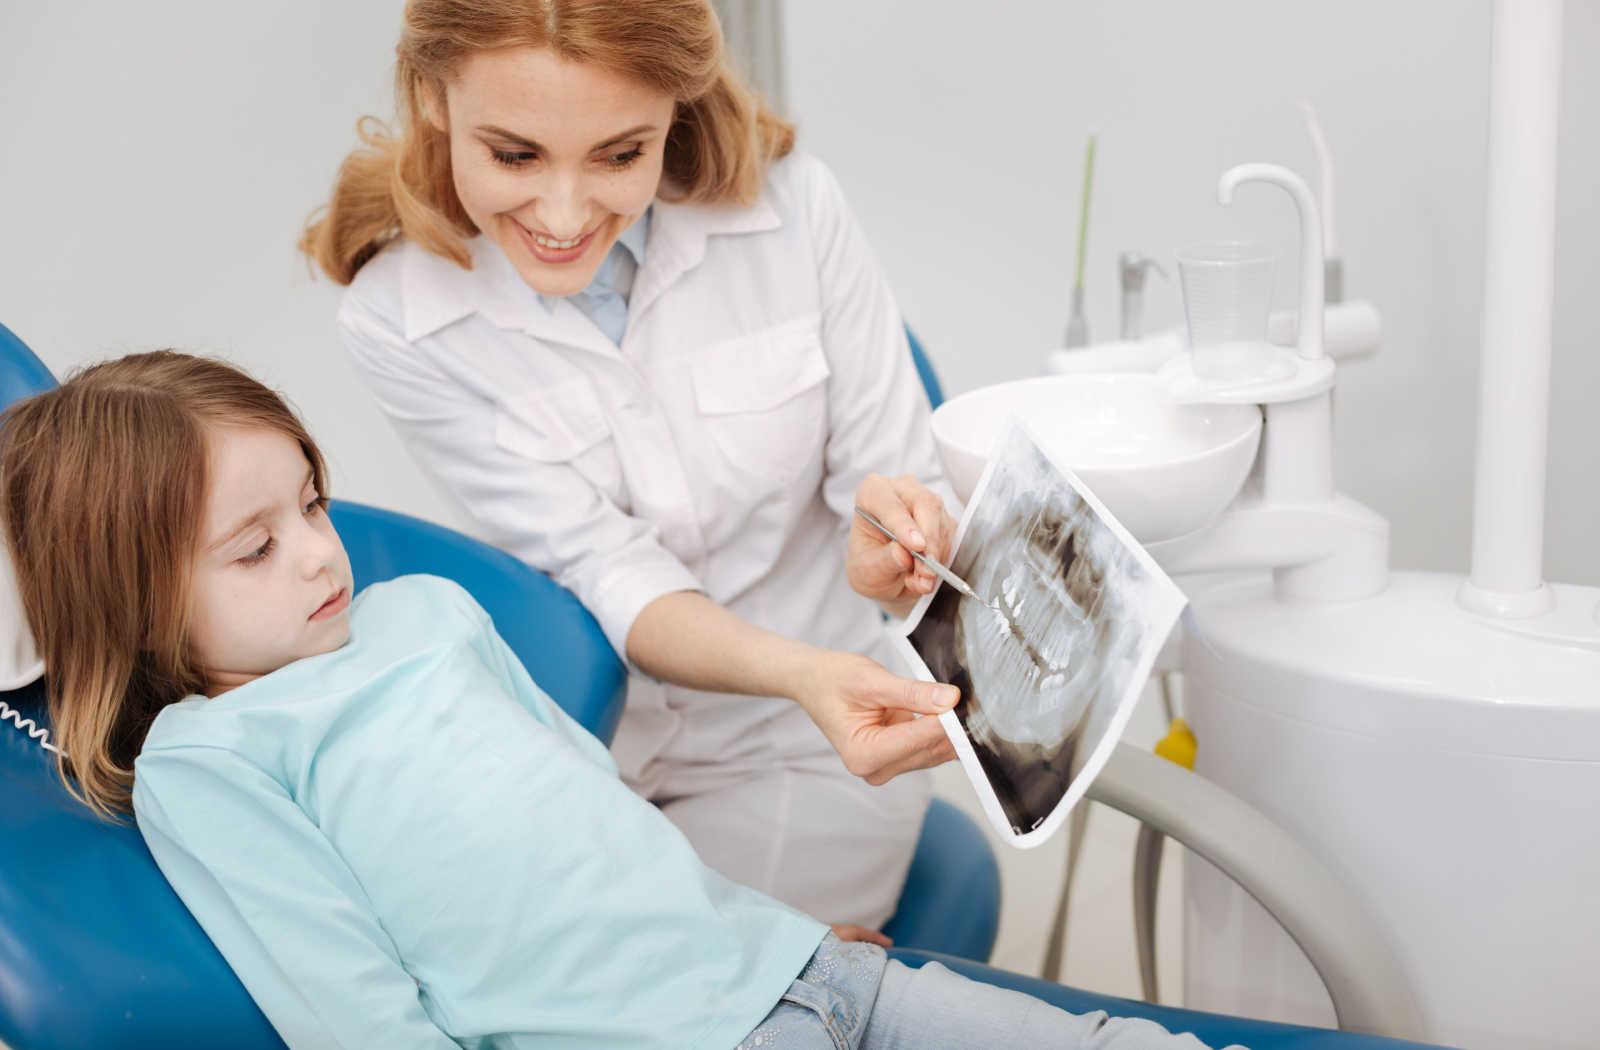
[1163, 469]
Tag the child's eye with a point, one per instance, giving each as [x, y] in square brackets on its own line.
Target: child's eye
[619, 161]
[315, 506]
[260, 553]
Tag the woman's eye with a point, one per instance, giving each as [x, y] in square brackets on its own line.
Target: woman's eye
[619, 161]
[511, 158]
[259, 554]
[316, 505]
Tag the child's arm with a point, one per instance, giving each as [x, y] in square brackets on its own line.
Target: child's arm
[278, 902]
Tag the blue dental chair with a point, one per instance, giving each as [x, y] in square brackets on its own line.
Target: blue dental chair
[97, 951]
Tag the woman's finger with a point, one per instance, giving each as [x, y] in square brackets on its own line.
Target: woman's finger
[902, 748]
[887, 561]
[911, 694]
[880, 497]
[928, 510]
[947, 533]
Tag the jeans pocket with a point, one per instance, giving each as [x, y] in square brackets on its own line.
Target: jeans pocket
[827, 1006]
[795, 1023]
[835, 1009]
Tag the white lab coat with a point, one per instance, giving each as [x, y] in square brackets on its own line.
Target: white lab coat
[763, 374]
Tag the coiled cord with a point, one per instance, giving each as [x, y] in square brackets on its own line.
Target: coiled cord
[27, 725]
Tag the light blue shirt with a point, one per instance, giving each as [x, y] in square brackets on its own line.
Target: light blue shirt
[405, 843]
[605, 300]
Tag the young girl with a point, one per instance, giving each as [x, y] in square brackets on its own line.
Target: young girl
[392, 835]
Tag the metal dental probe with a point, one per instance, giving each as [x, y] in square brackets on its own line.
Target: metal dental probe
[938, 570]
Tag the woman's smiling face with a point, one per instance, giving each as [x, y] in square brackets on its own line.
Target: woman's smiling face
[553, 159]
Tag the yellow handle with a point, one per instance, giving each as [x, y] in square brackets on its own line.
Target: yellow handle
[1179, 745]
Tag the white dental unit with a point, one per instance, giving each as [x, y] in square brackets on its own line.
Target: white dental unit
[1434, 739]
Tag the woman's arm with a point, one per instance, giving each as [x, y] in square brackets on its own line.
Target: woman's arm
[881, 455]
[544, 512]
[866, 712]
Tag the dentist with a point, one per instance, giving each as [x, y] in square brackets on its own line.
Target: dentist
[647, 348]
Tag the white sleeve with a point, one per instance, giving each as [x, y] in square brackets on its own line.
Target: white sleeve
[545, 513]
[279, 903]
[878, 409]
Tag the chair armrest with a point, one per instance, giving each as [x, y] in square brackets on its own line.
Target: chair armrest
[1371, 992]
[1212, 1029]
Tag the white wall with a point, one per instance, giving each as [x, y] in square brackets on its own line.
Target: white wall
[958, 130]
[157, 161]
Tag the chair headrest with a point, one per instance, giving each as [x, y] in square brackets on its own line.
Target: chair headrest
[21, 375]
[19, 657]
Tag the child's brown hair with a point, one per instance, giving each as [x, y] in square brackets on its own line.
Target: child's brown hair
[102, 489]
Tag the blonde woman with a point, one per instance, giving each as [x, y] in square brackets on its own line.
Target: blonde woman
[646, 347]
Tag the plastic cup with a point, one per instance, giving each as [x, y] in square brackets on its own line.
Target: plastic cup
[1227, 287]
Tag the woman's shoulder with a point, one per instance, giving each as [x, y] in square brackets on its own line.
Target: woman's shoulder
[798, 168]
[379, 285]
[802, 182]
[407, 291]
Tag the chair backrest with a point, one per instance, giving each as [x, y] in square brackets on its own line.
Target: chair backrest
[21, 373]
[95, 947]
[551, 632]
[930, 379]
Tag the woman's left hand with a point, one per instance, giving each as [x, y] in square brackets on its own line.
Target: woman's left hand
[868, 714]
[876, 566]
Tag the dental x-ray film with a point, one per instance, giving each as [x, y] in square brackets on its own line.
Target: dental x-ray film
[1052, 664]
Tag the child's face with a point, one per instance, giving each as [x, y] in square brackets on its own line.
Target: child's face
[272, 583]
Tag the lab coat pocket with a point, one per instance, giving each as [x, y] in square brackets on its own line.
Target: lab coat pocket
[763, 400]
[562, 424]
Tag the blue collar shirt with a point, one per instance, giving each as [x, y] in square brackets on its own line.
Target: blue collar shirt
[605, 300]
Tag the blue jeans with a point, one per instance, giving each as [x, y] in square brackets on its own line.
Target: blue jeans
[852, 997]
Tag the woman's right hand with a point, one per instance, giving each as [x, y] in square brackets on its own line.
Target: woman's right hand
[868, 714]
[878, 567]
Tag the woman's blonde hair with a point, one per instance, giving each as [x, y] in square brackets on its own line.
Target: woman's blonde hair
[721, 141]
[102, 489]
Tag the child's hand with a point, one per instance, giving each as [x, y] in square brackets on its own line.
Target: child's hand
[877, 567]
[861, 933]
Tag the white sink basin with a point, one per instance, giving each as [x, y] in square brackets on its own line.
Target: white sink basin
[1163, 469]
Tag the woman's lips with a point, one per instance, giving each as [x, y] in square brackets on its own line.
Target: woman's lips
[555, 256]
[333, 606]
